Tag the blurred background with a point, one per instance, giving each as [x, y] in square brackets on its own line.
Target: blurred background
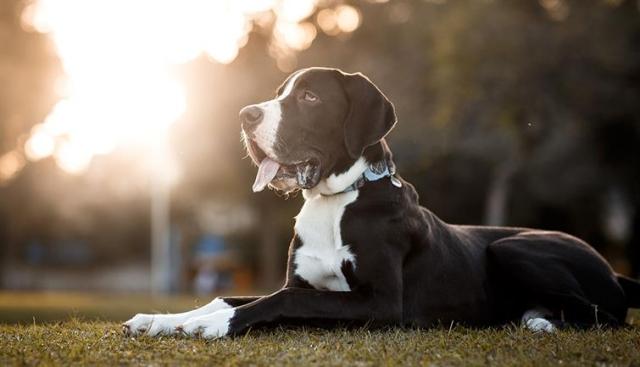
[123, 186]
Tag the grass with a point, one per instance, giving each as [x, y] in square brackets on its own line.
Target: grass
[102, 343]
[85, 340]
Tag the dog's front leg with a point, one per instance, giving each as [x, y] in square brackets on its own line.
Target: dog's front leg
[300, 304]
[157, 324]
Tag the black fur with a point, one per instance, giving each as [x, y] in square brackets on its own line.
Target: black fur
[371, 115]
[411, 267]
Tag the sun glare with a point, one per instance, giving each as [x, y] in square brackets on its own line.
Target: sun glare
[10, 164]
[118, 58]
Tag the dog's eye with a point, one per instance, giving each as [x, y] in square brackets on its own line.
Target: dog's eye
[309, 97]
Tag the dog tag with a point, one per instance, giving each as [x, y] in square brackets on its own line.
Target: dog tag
[396, 182]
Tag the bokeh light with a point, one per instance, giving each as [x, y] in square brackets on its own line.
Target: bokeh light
[326, 19]
[557, 9]
[347, 18]
[295, 10]
[119, 60]
[10, 164]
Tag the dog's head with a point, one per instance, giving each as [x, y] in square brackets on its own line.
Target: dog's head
[319, 125]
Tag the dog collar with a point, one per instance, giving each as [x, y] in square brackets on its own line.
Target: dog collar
[374, 172]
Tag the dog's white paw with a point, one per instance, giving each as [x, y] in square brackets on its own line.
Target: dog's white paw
[211, 326]
[534, 320]
[539, 324]
[152, 325]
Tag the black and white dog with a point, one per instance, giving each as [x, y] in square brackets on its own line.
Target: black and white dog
[365, 251]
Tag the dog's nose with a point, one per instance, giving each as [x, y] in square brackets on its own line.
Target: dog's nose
[251, 116]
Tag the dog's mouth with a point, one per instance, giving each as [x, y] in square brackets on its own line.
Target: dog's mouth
[285, 176]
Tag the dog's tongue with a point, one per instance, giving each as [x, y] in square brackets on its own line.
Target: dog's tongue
[266, 172]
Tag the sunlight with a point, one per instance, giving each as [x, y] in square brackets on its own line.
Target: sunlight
[40, 144]
[297, 36]
[118, 85]
[10, 164]
[326, 19]
[118, 58]
[295, 10]
[347, 18]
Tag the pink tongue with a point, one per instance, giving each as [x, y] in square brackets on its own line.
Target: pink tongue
[266, 172]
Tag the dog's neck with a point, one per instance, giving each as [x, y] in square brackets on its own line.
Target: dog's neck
[375, 163]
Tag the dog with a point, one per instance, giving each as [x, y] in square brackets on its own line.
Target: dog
[365, 252]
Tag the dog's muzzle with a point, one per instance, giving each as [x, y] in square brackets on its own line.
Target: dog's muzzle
[281, 174]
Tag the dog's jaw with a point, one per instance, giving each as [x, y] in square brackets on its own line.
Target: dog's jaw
[337, 183]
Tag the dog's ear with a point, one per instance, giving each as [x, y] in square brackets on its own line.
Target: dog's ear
[371, 115]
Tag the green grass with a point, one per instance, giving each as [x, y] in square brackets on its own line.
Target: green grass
[66, 329]
[93, 342]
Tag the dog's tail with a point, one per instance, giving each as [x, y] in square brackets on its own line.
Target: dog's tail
[631, 289]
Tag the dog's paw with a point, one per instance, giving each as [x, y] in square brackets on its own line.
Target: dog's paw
[539, 324]
[211, 326]
[152, 325]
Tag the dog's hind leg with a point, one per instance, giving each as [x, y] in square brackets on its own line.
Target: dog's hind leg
[631, 289]
[560, 273]
[165, 324]
[536, 319]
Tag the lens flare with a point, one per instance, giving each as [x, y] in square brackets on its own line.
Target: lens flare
[118, 58]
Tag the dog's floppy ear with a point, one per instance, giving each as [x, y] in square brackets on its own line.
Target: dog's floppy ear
[371, 115]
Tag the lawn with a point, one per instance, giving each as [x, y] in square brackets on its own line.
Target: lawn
[83, 340]
[91, 342]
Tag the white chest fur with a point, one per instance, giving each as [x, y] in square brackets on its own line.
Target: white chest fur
[320, 258]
